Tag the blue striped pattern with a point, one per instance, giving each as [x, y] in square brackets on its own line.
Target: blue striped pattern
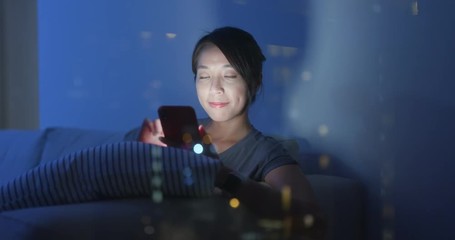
[118, 170]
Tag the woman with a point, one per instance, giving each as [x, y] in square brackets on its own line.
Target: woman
[257, 170]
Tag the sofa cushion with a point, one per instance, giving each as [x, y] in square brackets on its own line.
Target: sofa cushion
[20, 150]
[118, 170]
[61, 141]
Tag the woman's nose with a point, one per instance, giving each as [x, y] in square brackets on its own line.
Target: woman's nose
[216, 86]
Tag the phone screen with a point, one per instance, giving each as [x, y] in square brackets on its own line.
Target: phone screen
[180, 126]
[181, 129]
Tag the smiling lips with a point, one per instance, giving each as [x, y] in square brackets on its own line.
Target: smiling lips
[218, 104]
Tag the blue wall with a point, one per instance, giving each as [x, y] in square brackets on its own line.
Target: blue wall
[370, 84]
[108, 64]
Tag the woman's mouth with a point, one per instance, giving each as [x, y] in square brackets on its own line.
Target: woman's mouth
[218, 104]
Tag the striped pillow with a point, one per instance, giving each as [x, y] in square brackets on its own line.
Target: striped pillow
[116, 170]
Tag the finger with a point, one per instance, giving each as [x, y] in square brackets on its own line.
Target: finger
[145, 131]
[158, 127]
[146, 125]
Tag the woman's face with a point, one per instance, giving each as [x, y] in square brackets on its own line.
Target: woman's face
[221, 90]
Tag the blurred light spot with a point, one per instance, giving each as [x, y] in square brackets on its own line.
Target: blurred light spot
[285, 73]
[155, 84]
[206, 139]
[382, 137]
[287, 226]
[387, 119]
[197, 148]
[150, 91]
[188, 181]
[171, 35]
[289, 51]
[388, 211]
[286, 198]
[273, 50]
[149, 230]
[186, 137]
[187, 172]
[157, 196]
[388, 170]
[387, 234]
[324, 161]
[281, 51]
[270, 223]
[250, 236]
[308, 220]
[157, 166]
[294, 113]
[156, 181]
[306, 75]
[323, 130]
[282, 75]
[146, 35]
[234, 203]
[77, 81]
[187, 176]
[415, 8]
[377, 8]
[146, 220]
[387, 180]
[146, 39]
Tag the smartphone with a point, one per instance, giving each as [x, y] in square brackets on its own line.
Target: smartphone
[180, 126]
[181, 129]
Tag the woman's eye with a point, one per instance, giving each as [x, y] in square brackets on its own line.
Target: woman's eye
[203, 77]
[230, 76]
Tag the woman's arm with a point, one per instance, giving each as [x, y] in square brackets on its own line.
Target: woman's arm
[287, 195]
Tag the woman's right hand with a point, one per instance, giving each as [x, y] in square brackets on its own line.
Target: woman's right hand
[152, 132]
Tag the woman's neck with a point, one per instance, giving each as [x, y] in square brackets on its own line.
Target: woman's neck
[226, 134]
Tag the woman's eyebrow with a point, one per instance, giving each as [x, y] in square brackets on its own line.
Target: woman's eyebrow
[206, 67]
[202, 67]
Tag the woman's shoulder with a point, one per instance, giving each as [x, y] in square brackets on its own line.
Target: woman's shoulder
[263, 140]
[262, 146]
[267, 153]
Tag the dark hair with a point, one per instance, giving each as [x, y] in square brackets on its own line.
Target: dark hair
[242, 52]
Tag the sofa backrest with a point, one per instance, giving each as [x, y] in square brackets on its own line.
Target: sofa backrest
[20, 150]
[60, 141]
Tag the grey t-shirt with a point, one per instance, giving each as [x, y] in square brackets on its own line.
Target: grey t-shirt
[254, 156]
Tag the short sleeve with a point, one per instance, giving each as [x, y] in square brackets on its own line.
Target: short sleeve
[276, 156]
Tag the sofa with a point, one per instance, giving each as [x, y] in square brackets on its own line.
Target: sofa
[174, 217]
